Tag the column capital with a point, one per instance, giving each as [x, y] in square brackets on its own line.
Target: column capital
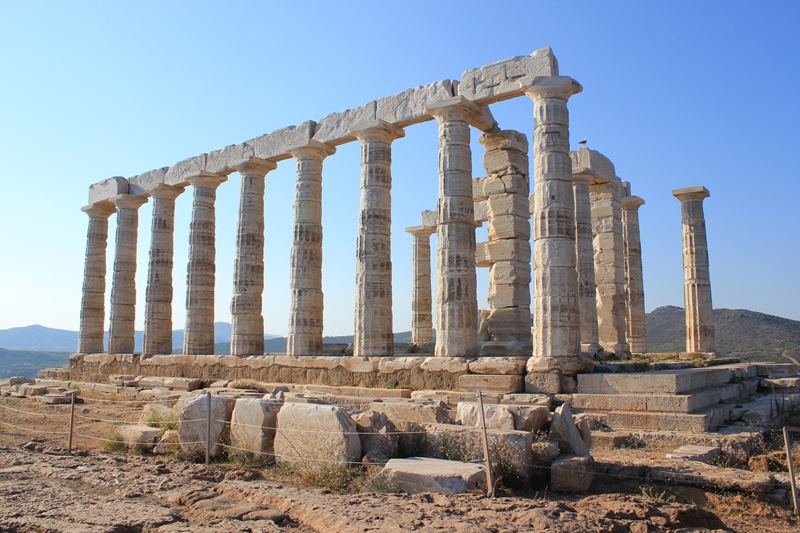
[454, 109]
[170, 192]
[632, 202]
[207, 179]
[102, 209]
[691, 193]
[586, 175]
[541, 87]
[254, 166]
[377, 130]
[128, 201]
[421, 231]
[311, 150]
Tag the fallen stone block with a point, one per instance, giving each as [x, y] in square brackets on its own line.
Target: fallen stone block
[193, 410]
[253, 424]
[169, 443]
[140, 434]
[309, 433]
[415, 475]
[693, 452]
[526, 399]
[405, 414]
[185, 384]
[519, 417]
[378, 435]
[563, 431]
[157, 415]
[572, 474]
[151, 382]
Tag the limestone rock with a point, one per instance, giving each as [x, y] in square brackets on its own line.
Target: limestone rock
[313, 432]
[253, 425]
[378, 436]
[168, 443]
[563, 430]
[401, 414]
[519, 417]
[140, 434]
[693, 452]
[415, 475]
[192, 429]
[571, 474]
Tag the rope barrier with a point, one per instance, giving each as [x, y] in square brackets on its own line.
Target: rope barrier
[33, 412]
[35, 430]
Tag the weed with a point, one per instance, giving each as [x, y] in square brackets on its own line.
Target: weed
[333, 476]
[245, 459]
[649, 493]
[156, 419]
[250, 384]
[141, 447]
[113, 442]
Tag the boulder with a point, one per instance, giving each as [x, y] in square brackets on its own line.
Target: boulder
[192, 412]
[316, 432]
[571, 473]
[563, 431]
[253, 425]
[378, 436]
[415, 475]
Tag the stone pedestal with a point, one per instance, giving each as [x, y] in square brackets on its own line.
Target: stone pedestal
[93, 313]
[201, 278]
[421, 299]
[634, 281]
[456, 282]
[373, 333]
[305, 276]
[587, 289]
[697, 282]
[158, 298]
[123, 285]
[505, 191]
[247, 322]
[609, 266]
[556, 328]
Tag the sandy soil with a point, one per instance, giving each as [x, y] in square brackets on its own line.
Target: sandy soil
[45, 488]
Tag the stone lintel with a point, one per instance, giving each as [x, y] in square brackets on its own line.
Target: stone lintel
[500, 80]
[430, 217]
[105, 189]
[632, 202]
[147, 181]
[421, 231]
[691, 193]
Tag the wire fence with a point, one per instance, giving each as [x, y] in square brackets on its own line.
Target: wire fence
[491, 457]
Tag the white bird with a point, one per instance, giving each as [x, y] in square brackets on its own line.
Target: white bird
[583, 142]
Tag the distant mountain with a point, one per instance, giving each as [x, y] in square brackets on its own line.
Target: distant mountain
[27, 363]
[278, 344]
[741, 333]
[42, 339]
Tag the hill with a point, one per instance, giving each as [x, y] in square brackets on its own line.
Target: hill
[26, 363]
[748, 335]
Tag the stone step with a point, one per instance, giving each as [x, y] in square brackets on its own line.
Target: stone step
[700, 422]
[776, 370]
[664, 403]
[660, 382]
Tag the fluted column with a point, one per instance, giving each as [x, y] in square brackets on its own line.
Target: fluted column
[247, 328]
[556, 318]
[456, 299]
[198, 338]
[158, 296]
[123, 284]
[421, 299]
[587, 290]
[373, 333]
[634, 281]
[305, 276]
[697, 281]
[93, 312]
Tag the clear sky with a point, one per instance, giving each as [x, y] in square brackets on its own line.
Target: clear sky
[676, 94]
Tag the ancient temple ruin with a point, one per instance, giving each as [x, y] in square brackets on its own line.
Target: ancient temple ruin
[563, 250]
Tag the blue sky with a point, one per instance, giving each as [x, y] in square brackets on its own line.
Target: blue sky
[676, 94]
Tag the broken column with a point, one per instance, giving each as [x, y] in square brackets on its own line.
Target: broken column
[587, 289]
[373, 332]
[123, 284]
[456, 299]
[305, 276]
[556, 319]
[421, 299]
[507, 252]
[158, 296]
[93, 313]
[697, 282]
[200, 281]
[247, 321]
[634, 282]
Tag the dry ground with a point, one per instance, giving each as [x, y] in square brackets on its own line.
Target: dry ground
[44, 488]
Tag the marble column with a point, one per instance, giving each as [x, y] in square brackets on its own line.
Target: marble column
[697, 281]
[634, 280]
[247, 327]
[305, 276]
[373, 332]
[93, 312]
[421, 299]
[158, 298]
[456, 282]
[123, 284]
[556, 314]
[506, 189]
[198, 337]
[587, 290]
[609, 266]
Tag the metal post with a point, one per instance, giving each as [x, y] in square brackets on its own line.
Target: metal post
[790, 463]
[489, 481]
[208, 425]
[71, 420]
